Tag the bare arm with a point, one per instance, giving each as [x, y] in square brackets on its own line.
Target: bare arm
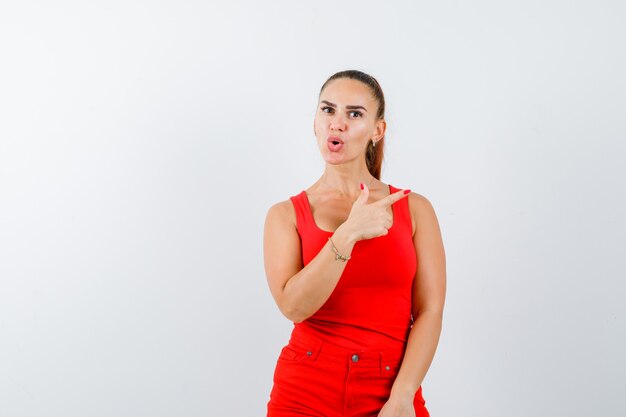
[300, 291]
[429, 288]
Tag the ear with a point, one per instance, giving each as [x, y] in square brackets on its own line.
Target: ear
[381, 127]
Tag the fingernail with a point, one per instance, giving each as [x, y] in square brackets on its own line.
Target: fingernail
[361, 184]
[406, 191]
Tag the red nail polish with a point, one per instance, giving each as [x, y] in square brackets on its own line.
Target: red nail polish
[406, 191]
[361, 184]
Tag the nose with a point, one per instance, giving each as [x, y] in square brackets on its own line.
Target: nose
[337, 122]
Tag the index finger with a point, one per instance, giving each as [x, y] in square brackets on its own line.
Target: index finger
[392, 198]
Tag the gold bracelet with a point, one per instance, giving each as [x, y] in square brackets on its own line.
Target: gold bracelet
[338, 256]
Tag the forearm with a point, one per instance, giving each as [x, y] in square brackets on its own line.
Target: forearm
[309, 289]
[420, 351]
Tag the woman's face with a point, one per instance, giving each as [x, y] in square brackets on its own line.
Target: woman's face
[346, 114]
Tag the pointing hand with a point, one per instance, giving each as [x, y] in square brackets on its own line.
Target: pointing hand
[372, 220]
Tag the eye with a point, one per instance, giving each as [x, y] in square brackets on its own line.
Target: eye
[357, 113]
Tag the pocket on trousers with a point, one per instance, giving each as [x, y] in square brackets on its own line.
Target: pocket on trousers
[299, 351]
[390, 369]
[291, 354]
[292, 368]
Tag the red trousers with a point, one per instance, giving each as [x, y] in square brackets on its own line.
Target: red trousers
[318, 379]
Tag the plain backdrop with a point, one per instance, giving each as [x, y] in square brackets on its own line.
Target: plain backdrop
[142, 143]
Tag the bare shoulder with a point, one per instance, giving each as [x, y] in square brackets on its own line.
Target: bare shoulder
[421, 209]
[419, 203]
[282, 212]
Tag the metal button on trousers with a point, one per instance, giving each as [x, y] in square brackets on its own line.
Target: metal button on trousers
[355, 358]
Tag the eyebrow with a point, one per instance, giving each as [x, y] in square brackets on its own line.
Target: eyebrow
[347, 107]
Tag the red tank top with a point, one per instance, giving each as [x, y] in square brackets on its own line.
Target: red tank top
[371, 305]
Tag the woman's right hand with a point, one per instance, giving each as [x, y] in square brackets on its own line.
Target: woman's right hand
[367, 221]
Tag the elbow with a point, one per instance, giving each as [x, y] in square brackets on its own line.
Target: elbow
[298, 319]
[432, 314]
[291, 308]
[293, 313]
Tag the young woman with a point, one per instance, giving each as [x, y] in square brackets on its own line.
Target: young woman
[359, 267]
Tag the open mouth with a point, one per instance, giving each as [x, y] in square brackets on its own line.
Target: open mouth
[335, 145]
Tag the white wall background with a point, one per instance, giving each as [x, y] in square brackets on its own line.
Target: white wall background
[141, 144]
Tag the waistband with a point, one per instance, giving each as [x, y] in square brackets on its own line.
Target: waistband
[310, 347]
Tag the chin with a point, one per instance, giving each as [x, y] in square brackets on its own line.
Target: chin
[336, 160]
